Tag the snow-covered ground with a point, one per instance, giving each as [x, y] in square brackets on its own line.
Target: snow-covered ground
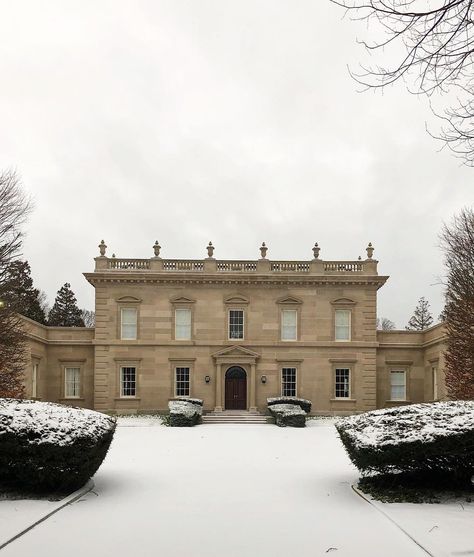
[233, 490]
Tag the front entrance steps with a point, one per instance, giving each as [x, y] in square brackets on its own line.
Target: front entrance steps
[234, 417]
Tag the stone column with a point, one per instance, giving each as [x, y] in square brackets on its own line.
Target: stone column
[218, 407]
[253, 405]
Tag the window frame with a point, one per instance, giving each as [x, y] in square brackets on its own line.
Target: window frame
[127, 365]
[296, 313]
[182, 367]
[392, 371]
[342, 367]
[34, 378]
[123, 307]
[283, 384]
[66, 367]
[349, 313]
[434, 379]
[229, 310]
[175, 322]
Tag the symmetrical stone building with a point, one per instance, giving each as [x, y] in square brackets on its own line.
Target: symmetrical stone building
[234, 333]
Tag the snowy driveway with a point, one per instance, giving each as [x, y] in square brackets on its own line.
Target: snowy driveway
[220, 490]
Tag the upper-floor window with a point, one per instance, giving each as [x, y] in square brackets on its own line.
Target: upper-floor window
[398, 389]
[182, 318]
[72, 382]
[128, 381]
[182, 381]
[289, 319]
[342, 383]
[128, 325]
[236, 324]
[288, 381]
[343, 324]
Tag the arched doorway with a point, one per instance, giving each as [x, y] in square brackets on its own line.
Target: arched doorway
[235, 389]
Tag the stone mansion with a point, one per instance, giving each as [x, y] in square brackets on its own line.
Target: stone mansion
[234, 332]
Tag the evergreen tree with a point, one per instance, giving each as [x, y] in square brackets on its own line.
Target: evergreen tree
[421, 318]
[20, 294]
[65, 312]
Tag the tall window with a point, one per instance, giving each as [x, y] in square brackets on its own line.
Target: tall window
[128, 381]
[128, 323]
[34, 381]
[398, 385]
[72, 378]
[343, 324]
[182, 381]
[182, 324]
[288, 324]
[434, 373]
[288, 381]
[236, 323]
[342, 384]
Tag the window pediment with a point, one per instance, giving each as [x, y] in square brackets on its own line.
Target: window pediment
[343, 302]
[182, 300]
[237, 299]
[289, 300]
[128, 300]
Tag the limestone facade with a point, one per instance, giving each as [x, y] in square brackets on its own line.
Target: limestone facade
[234, 333]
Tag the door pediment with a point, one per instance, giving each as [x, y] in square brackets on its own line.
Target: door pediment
[236, 353]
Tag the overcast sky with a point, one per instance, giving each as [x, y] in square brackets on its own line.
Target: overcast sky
[230, 121]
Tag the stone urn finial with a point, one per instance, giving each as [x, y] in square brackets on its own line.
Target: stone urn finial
[156, 248]
[263, 250]
[370, 250]
[210, 250]
[113, 255]
[102, 248]
[316, 250]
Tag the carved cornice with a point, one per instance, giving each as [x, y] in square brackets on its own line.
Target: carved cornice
[237, 279]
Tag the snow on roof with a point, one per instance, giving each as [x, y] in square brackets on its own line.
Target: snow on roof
[46, 422]
[408, 424]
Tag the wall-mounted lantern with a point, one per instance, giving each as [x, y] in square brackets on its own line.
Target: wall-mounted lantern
[263, 379]
[207, 379]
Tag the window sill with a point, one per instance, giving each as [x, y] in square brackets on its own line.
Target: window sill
[341, 399]
[73, 398]
[127, 398]
[405, 401]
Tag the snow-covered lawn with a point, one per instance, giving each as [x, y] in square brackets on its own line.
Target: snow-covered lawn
[233, 490]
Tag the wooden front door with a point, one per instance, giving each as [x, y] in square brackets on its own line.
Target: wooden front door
[235, 389]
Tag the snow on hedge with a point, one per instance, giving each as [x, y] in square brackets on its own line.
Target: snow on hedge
[184, 407]
[288, 409]
[185, 412]
[47, 446]
[301, 402]
[407, 424]
[433, 438]
[291, 415]
[46, 422]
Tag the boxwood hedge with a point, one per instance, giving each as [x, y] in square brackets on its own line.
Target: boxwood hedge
[433, 438]
[51, 447]
[185, 412]
[290, 415]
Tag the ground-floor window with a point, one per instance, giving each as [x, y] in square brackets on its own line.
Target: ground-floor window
[398, 384]
[342, 383]
[72, 382]
[182, 381]
[128, 381]
[34, 381]
[288, 381]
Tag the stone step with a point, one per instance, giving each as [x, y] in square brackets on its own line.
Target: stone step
[234, 419]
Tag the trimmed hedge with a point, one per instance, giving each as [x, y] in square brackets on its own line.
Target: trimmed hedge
[51, 447]
[290, 415]
[301, 402]
[185, 412]
[434, 438]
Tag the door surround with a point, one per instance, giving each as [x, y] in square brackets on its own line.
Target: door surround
[235, 356]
